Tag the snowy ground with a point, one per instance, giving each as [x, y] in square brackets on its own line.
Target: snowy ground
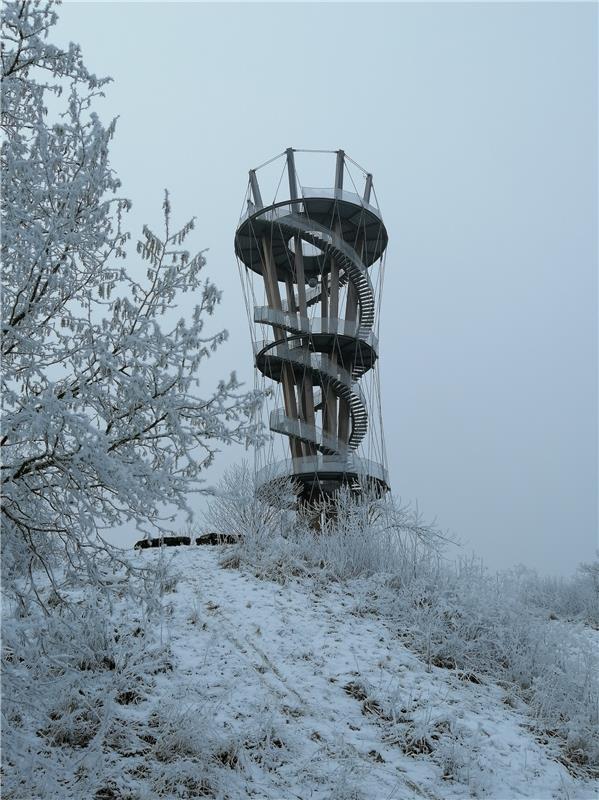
[318, 697]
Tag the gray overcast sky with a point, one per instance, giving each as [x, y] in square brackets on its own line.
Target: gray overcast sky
[479, 123]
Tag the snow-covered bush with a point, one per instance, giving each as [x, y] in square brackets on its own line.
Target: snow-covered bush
[363, 535]
[235, 508]
[94, 705]
[366, 535]
[72, 680]
[463, 765]
[370, 535]
[574, 598]
[462, 618]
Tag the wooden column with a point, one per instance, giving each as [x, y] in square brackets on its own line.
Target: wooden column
[306, 387]
[287, 377]
[255, 189]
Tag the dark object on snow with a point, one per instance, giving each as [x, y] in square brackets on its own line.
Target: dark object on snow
[167, 541]
[217, 538]
[173, 541]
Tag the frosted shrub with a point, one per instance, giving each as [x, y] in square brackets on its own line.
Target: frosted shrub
[573, 598]
[76, 682]
[105, 718]
[349, 543]
[235, 507]
[462, 765]
[73, 701]
[367, 535]
[264, 524]
[345, 538]
[183, 733]
[469, 621]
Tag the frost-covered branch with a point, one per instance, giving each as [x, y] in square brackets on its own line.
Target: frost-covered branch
[103, 422]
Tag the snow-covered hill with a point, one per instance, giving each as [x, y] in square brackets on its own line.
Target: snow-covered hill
[330, 702]
[248, 688]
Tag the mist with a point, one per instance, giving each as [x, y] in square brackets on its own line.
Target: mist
[479, 124]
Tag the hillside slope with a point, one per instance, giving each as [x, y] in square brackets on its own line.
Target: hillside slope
[317, 697]
[207, 681]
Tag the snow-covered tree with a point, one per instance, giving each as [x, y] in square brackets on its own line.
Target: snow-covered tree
[103, 422]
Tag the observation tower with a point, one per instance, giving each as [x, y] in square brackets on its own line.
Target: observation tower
[311, 262]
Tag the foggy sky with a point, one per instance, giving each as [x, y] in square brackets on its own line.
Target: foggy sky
[479, 123]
